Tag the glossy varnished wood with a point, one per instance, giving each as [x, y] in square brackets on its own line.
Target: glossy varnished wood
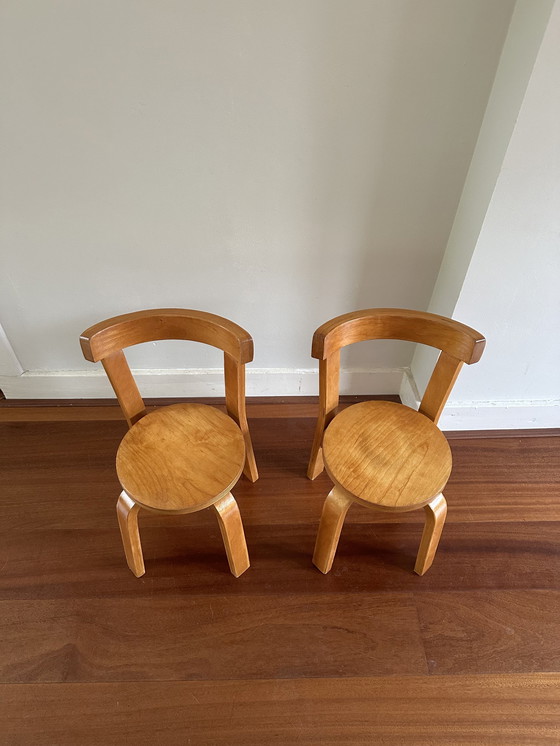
[329, 375]
[127, 516]
[392, 710]
[511, 631]
[190, 560]
[181, 458]
[383, 454]
[231, 528]
[70, 410]
[368, 653]
[124, 386]
[106, 340]
[436, 512]
[176, 636]
[458, 344]
[456, 339]
[58, 482]
[234, 372]
[107, 337]
[334, 512]
[387, 455]
[439, 386]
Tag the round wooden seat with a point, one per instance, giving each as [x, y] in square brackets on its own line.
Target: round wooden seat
[181, 458]
[387, 455]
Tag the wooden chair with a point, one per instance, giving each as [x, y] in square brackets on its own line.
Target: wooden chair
[183, 457]
[382, 454]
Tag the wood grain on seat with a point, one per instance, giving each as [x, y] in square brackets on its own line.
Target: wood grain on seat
[181, 458]
[387, 455]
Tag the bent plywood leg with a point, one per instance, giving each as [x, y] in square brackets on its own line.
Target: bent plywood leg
[334, 512]
[127, 513]
[233, 535]
[316, 465]
[435, 518]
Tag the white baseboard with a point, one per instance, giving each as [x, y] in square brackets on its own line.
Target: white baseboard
[509, 414]
[457, 415]
[93, 384]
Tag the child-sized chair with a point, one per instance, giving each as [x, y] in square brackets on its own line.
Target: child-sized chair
[382, 454]
[183, 457]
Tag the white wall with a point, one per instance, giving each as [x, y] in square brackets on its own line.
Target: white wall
[275, 161]
[9, 364]
[512, 248]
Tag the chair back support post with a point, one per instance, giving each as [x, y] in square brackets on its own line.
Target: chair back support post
[124, 386]
[234, 373]
[439, 386]
[329, 385]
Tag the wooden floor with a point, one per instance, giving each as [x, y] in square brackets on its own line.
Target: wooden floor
[187, 654]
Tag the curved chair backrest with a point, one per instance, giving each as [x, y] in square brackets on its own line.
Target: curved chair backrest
[107, 337]
[106, 340]
[458, 344]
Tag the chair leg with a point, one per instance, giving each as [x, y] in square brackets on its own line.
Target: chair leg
[127, 514]
[435, 518]
[334, 512]
[250, 467]
[231, 526]
[316, 464]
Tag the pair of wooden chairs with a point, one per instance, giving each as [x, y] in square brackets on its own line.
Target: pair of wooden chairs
[187, 457]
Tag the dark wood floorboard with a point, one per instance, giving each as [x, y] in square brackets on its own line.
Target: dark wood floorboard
[481, 632]
[390, 710]
[178, 637]
[371, 653]
[62, 475]
[72, 410]
[372, 558]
